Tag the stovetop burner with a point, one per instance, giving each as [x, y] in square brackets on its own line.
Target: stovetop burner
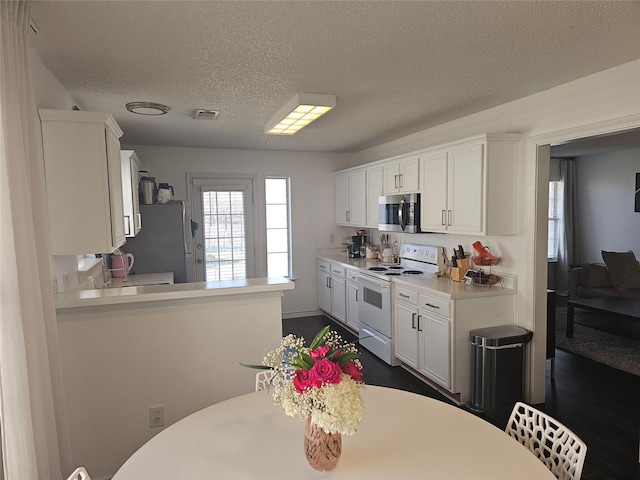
[377, 269]
[412, 272]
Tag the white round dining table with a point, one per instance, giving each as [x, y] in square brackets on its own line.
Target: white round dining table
[402, 436]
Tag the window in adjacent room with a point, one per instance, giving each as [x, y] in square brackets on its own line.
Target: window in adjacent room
[278, 227]
[554, 219]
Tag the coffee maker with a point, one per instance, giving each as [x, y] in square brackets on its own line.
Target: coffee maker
[357, 246]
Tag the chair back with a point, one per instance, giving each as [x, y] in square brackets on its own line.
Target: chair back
[263, 379]
[554, 444]
[79, 473]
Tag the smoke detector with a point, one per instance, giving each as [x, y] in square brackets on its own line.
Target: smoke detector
[201, 114]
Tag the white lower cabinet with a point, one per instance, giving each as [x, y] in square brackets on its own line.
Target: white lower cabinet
[338, 293]
[332, 296]
[435, 349]
[406, 325]
[324, 286]
[352, 299]
[432, 333]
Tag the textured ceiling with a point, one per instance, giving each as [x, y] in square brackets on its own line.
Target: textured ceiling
[396, 67]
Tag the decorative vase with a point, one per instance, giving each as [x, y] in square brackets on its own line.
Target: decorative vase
[321, 449]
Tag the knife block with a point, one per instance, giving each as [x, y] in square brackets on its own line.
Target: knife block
[458, 273]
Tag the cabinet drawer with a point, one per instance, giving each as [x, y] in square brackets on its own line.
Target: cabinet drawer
[435, 305]
[337, 271]
[352, 275]
[406, 295]
[324, 267]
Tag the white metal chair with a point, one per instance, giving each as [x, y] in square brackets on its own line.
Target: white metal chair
[79, 473]
[553, 443]
[263, 379]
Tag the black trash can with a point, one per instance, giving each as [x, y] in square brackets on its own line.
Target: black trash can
[497, 367]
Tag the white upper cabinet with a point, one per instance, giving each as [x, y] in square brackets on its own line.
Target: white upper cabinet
[84, 181]
[469, 186]
[402, 175]
[351, 198]
[131, 192]
[374, 191]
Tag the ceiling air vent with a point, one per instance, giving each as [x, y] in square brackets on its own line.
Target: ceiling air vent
[201, 114]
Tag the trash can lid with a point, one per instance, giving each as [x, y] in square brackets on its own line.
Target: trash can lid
[501, 335]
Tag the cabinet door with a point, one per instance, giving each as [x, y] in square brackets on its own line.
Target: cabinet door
[324, 291]
[342, 198]
[466, 189]
[435, 349]
[374, 191]
[433, 201]
[115, 189]
[391, 178]
[130, 192]
[358, 198]
[352, 306]
[406, 333]
[409, 175]
[339, 298]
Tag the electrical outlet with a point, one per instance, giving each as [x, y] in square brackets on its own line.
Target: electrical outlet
[331, 238]
[156, 416]
[66, 280]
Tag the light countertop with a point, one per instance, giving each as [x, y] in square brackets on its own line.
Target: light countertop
[178, 291]
[439, 286]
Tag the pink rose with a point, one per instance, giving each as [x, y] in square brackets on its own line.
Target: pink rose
[352, 370]
[319, 353]
[303, 380]
[326, 371]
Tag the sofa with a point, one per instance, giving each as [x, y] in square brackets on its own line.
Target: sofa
[618, 277]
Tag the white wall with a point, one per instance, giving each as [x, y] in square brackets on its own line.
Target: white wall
[590, 104]
[312, 200]
[606, 218]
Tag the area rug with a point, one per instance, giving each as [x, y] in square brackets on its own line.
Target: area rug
[603, 347]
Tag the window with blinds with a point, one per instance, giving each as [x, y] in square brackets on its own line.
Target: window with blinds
[554, 220]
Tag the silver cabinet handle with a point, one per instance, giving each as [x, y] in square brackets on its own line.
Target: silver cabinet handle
[403, 295]
[413, 320]
[127, 225]
[430, 305]
[396, 181]
[419, 317]
[444, 221]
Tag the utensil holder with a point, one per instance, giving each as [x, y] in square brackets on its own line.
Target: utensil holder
[458, 273]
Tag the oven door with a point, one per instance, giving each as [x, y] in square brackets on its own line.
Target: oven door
[374, 307]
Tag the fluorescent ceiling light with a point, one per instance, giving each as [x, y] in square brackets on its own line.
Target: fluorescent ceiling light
[147, 108]
[299, 112]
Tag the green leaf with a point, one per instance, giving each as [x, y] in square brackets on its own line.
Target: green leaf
[319, 337]
[347, 357]
[257, 367]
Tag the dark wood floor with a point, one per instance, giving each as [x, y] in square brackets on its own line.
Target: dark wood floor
[600, 404]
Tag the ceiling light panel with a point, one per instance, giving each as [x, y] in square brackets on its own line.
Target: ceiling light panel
[299, 112]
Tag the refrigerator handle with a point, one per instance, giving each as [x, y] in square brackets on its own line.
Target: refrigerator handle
[187, 250]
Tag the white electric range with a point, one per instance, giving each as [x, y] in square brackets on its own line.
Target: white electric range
[374, 293]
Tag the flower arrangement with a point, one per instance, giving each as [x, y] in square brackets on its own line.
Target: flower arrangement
[321, 381]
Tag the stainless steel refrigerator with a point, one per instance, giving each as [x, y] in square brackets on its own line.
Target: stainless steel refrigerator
[164, 242]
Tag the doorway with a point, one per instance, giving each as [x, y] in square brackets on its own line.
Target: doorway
[224, 240]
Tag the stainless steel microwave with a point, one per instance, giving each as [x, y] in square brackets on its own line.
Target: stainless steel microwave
[399, 213]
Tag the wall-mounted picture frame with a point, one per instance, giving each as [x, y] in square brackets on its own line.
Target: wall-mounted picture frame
[637, 192]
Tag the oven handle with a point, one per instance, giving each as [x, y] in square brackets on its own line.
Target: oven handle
[375, 280]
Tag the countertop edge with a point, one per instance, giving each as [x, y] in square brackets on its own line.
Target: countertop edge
[440, 287]
[178, 291]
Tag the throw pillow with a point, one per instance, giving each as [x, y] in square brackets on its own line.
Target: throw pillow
[624, 269]
[594, 276]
